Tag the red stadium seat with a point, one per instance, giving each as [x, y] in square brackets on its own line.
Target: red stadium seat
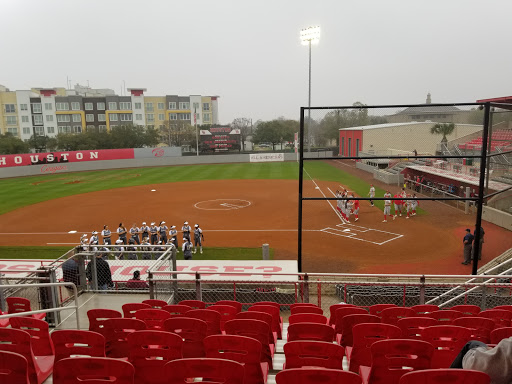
[71, 342]
[273, 304]
[177, 309]
[262, 316]
[116, 335]
[20, 304]
[157, 304]
[393, 314]
[154, 318]
[18, 341]
[315, 376]
[192, 331]
[244, 350]
[194, 304]
[295, 305]
[499, 334]
[13, 368]
[129, 309]
[97, 318]
[424, 309]
[214, 370]
[345, 338]
[345, 311]
[393, 358]
[93, 370]
[313, 354]
[445, 317]
[376, 309]
[227, 312]
[333, 308]
[467, 309]
[149, 351]
[447, 340]
[445, 376]
[233, 303]
[480, 327]
[39, 331]
[307, 318]
[257, 330]
[310, 331]
[364, 335]
[505, 307]
[210, 317]
[412, 326]
[306, 309]
[274, 312]
[4, 322]
[501, 317]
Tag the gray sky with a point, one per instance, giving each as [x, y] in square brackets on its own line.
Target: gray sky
[249, 53]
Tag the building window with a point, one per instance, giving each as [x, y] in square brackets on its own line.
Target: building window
[77, 118]
[38, 119]
[100, 106]
[39, 131]
[75, 106]
[138, 116]
[12, 120]
[173, 116]
[62, 106]
[36, 108]
[149, 107]
[126, 117]
[138, 105]
[50, 129]
[150, 118]
[24, 119]
[10, 108]
[160, 105]
[89, 117]
[206, 117]
[112, 105]
[65, 129]
[48, 107]
[78, 128]
[184, 105]
[184, 116]
[13, 131]
[161, 116]
[125, 106]
[206, 106]
[63, 118]
[113, 117]
[172, 105]
[101, 117]
[49, 118]
[26, 130]
[23, 107]
[195, 105]
[103, 128]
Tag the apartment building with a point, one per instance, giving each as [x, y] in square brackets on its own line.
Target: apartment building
[50, 111]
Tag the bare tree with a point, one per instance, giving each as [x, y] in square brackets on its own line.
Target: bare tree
[177, 133]
[245, 126]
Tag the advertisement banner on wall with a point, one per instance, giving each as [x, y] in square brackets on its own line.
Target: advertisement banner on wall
[220, 139]
[262, 157]
[57, 158]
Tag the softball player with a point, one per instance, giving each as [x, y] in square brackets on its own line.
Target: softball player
[130, 255]
[173, 233]
[186, 230]
[144, 230]
[187, 249]
[198, 238]
[398, 205]
[144, 248]
[84, 242]
[371, 193]
[338, 201]
[134, 231]
[350, 207]
[356, 208]
[153, 230]
[119, 248]
[94, 237]
[162, 229]
[121, 231]
[414, 204]
[408, 205]
[106, 235]
[387, 206]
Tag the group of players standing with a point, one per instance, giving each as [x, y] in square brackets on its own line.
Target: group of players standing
[347, 207]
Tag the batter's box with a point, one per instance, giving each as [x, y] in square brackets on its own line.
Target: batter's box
[368, 235]
[222, 204]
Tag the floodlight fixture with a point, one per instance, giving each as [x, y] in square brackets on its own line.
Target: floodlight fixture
[310, 35]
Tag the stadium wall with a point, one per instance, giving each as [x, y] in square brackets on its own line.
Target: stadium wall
[495, 216]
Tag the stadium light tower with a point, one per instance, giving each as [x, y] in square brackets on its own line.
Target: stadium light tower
[309, 36]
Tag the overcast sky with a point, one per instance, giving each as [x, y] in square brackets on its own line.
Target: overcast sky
[249, 53]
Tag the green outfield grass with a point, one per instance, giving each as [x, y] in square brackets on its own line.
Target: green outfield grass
[32, 252]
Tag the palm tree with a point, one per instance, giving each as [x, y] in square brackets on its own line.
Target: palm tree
[442, 129]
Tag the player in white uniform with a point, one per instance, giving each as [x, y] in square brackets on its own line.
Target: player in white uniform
[350, 207]
[198, 238]
[387, 206]
[414, 204]
[371, 193]
[94, 237]
[408, 205]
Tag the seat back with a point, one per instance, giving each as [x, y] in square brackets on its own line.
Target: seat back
[376, 309]
[129, 309]
[332, 311]
[295, 305]
[116, 333]
[72, 342]
[227, 312]
[348, 323]
[210, 317]
[424, 309]
[505, 307]
[412, 326]
[315, 376]
[255, 329]
[215, 370]
[467, 309]
[244, 350]
[154, 318]
[192, 331]
[17, 305]
[262, 316]
[38, 329]
[271, 310]
[393, 358]
[393, 314]
[445, 317]
[18, 341]
[310, 331]
[92, 370]
[501, 317]
[176, 309]
[271, 303]
[97, 318]
[364, 335]
[307, 318]
[313, 354]
[233, 303]
[344, 311]
[306, 309]
[154, 303]
[13, 368]
[194, 304]
[447, 341]
[499, 334]
[480, 327]
[445, 376]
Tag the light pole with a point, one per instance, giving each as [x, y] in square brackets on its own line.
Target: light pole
[309, 36]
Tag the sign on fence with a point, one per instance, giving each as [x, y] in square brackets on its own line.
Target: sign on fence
[262, 157]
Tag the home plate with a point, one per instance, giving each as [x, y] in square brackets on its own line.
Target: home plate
[346, 230]
[153, 190]
[317, 187]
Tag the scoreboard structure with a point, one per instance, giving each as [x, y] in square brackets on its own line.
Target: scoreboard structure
[220, 139]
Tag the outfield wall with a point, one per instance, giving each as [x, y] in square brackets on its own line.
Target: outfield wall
[144, 157]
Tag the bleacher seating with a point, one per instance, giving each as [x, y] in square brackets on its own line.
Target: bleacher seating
[499, 138]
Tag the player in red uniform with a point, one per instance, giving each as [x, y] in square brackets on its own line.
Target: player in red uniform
[356, 208]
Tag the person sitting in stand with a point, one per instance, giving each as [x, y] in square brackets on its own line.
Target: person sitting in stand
[136, 282]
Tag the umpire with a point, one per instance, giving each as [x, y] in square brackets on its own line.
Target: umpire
[467, 241]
